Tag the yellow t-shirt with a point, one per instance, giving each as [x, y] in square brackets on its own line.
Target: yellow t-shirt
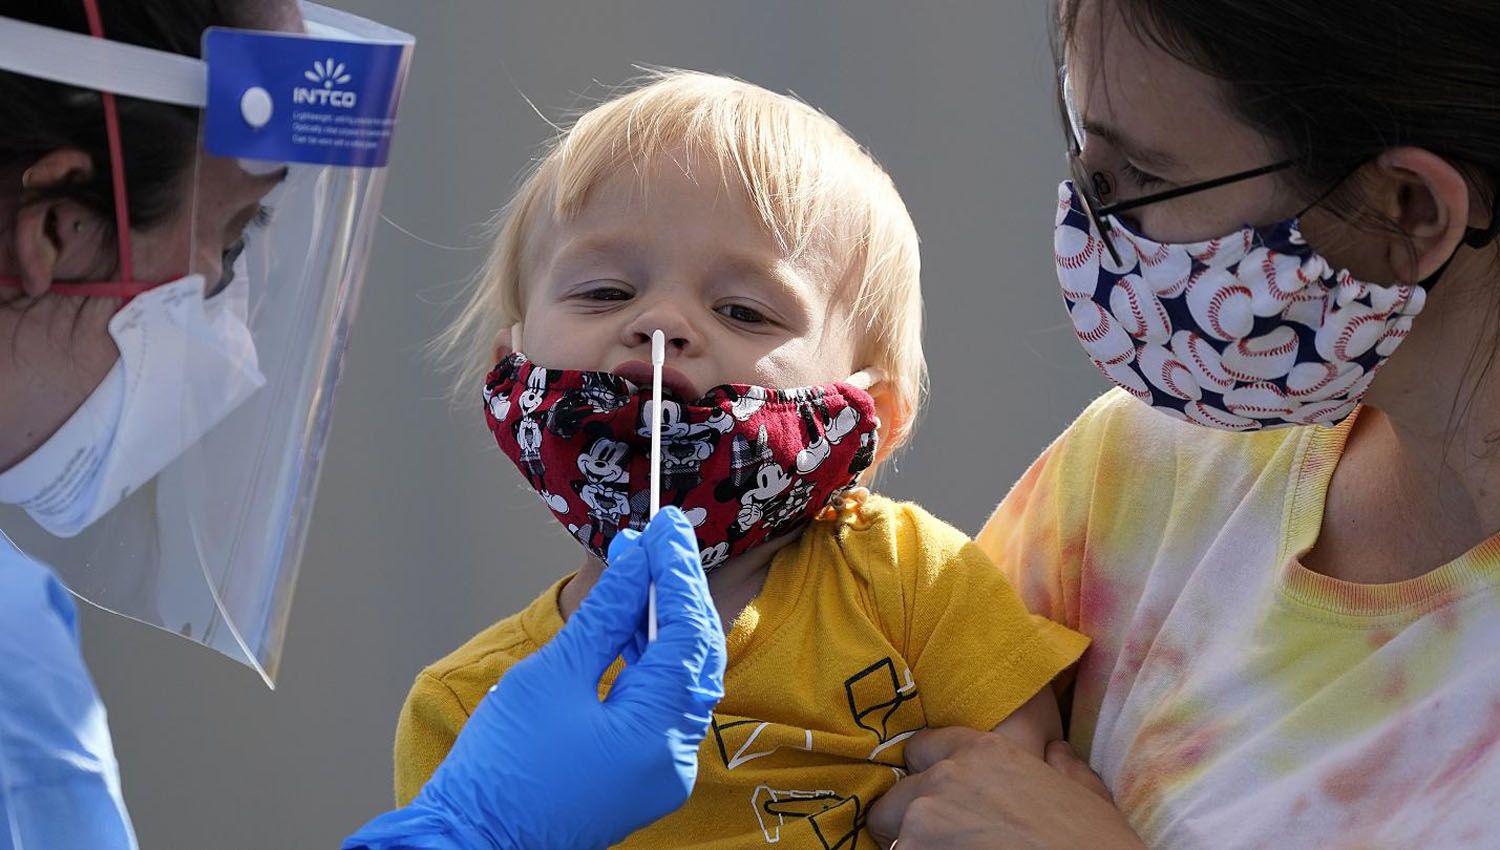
[869, 627]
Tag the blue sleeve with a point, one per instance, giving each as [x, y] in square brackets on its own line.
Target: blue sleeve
[59, 784]
[415, 828]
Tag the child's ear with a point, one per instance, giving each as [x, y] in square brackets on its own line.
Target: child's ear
[893, 414]
[893, 420]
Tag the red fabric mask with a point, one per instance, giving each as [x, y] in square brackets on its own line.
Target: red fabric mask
[745, 463]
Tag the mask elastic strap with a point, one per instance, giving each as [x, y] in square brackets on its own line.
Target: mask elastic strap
[1332, 187]
[116, 157]
[866, 379]
[1474, 237]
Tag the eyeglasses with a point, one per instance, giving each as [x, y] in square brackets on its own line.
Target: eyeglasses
[1090, 186]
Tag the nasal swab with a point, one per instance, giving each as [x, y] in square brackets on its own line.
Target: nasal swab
[658, 359]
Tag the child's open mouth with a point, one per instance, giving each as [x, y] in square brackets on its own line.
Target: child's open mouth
[673, 382]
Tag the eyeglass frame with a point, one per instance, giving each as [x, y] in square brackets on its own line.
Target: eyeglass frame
[1094, 208]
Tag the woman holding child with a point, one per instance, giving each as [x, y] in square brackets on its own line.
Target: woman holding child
[1293, 629]
[1280, 216]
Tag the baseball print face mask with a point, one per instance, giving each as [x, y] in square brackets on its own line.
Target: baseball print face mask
[1252, 330]
[745, 464]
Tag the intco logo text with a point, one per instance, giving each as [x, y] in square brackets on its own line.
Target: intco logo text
[326, 75]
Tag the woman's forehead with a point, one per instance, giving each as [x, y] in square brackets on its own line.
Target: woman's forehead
[1130, 90]
[1116, 70]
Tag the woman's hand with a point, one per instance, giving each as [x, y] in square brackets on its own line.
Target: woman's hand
[971, 789]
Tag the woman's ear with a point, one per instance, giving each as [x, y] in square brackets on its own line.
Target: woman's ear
[1429, 200]
[56, 238]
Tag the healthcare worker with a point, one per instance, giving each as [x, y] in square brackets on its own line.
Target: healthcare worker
[187, 195]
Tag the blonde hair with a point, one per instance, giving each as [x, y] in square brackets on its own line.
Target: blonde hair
[811, 184]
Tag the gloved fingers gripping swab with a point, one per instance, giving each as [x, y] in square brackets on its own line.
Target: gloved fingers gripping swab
[658, 359]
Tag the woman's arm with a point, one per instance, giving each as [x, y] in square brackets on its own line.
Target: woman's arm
[972, 789]
[61, 786]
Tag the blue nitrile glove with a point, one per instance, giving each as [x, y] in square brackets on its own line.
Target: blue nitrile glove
[544, 763]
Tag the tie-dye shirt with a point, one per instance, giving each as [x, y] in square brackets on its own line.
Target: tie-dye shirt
[1232, 697]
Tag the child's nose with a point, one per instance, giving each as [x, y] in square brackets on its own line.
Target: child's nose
[682, 338]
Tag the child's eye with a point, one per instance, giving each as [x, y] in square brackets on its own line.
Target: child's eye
[741, 313]
[605, 293]
[1141, 179]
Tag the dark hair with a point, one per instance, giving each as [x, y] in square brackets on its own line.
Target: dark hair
[38, 116]
[1335, 82]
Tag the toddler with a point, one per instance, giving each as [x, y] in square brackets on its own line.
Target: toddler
[782, 267]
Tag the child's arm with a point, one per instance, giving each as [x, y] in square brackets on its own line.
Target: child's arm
[1034, 724]
[429, 724]
[977, 656]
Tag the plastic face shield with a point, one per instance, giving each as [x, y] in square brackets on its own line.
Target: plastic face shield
[285, 190]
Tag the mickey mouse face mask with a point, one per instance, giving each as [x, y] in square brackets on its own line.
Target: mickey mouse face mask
[745, 463]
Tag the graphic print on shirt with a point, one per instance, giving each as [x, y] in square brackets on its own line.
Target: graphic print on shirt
[742, 740]
[880, 701]
[835, 820]
[886, 705]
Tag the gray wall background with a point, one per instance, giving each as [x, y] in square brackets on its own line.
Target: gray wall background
[422, 535]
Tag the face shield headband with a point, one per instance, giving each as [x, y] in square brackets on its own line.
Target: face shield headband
[100, 72]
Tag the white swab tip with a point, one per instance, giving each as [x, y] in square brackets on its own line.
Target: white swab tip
[658, 348]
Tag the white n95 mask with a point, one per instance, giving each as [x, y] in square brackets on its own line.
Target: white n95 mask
[185, 362]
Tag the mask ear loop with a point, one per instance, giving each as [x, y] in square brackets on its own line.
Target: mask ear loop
[1474, 237]
[864, 379]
